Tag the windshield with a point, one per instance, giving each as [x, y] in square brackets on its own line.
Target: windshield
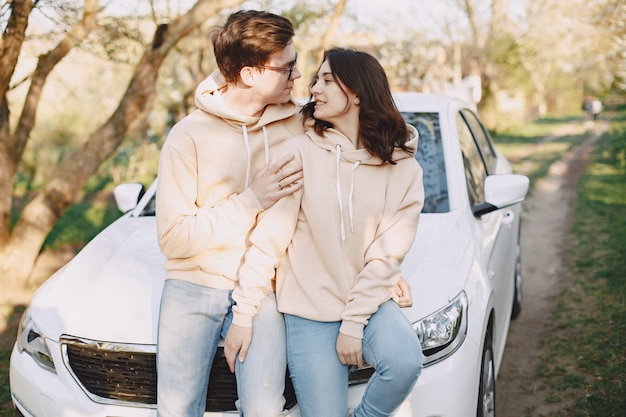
[430, 157]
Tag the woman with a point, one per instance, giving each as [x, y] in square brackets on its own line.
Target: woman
[337, 244]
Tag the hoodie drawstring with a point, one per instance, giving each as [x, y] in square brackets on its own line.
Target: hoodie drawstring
[339, 199]
[246, 141]
[350, 195]
[350, 205]
[267, 145]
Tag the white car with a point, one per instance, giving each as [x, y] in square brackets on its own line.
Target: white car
[86, 345]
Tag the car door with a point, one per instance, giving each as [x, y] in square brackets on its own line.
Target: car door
[494, 232]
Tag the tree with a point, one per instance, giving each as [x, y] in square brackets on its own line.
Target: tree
[20, 244]
[539, 51]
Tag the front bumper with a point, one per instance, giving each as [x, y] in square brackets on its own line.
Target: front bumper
[38, 393]
[447, 388]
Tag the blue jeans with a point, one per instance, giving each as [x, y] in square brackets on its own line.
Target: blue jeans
[192, 319]
[390, 345]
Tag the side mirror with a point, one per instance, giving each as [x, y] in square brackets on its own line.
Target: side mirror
[128, 195]
[501, 191]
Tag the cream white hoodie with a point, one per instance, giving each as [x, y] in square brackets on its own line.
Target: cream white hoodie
[337, 244]
[205, 209]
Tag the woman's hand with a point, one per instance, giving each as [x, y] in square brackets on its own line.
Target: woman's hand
[350, 350]
[403, 293]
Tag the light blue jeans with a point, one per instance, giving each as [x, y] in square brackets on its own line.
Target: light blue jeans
[192, 319]
[390, 345]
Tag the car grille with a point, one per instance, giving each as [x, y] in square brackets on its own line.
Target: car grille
[126, 374]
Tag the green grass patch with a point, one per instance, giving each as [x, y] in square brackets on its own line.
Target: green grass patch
[585, 352]
[11, 315]
[6, 407]
[81, 223]
[534, 147]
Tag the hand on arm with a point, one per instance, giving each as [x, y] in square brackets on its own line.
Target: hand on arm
[350, 350]
[276, 181]
[237, 341]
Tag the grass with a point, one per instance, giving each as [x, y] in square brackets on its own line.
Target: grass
[585, 362]
[6, 409]
[533, 148]
[81, 223]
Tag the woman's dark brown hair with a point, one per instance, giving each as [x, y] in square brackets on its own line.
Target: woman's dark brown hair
[382, 127]
[248, 38]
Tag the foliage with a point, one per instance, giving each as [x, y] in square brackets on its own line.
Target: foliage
[80, 223]
[135, 162]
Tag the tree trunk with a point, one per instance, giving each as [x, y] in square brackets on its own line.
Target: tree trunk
[18, 256]
[12, 40]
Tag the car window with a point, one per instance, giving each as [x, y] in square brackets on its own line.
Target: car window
[482, 139]
[475, 170]
[430, 156]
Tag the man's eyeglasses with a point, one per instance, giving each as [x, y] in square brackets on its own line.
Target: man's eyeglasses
[289, 69]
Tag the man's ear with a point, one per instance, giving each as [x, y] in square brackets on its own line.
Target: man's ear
[248, 75]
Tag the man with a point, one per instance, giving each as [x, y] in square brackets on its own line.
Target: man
[214, 179]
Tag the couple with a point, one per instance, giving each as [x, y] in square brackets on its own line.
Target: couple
[330, 212]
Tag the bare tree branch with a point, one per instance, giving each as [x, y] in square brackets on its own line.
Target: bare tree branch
[12, 41]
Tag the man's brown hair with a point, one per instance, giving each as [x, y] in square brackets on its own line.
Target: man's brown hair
[248, 38]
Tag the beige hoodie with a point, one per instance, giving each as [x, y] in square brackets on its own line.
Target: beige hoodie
[338, 243]
[205, 209]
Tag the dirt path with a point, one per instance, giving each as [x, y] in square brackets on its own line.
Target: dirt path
[547, 218]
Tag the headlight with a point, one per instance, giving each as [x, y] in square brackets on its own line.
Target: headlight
[443, 332]
[31, 341]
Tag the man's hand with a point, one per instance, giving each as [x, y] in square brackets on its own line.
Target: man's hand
[237, 341]
[403, 291]
[277, 180]
[350, 350]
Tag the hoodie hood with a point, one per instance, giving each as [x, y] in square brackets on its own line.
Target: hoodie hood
[208, 98]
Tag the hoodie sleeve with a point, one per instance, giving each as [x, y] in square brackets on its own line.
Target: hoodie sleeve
[184, 229]
[268, 242]
[395, 234]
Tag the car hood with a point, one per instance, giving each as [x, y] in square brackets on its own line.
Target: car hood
[438, 264]
[110, 291]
